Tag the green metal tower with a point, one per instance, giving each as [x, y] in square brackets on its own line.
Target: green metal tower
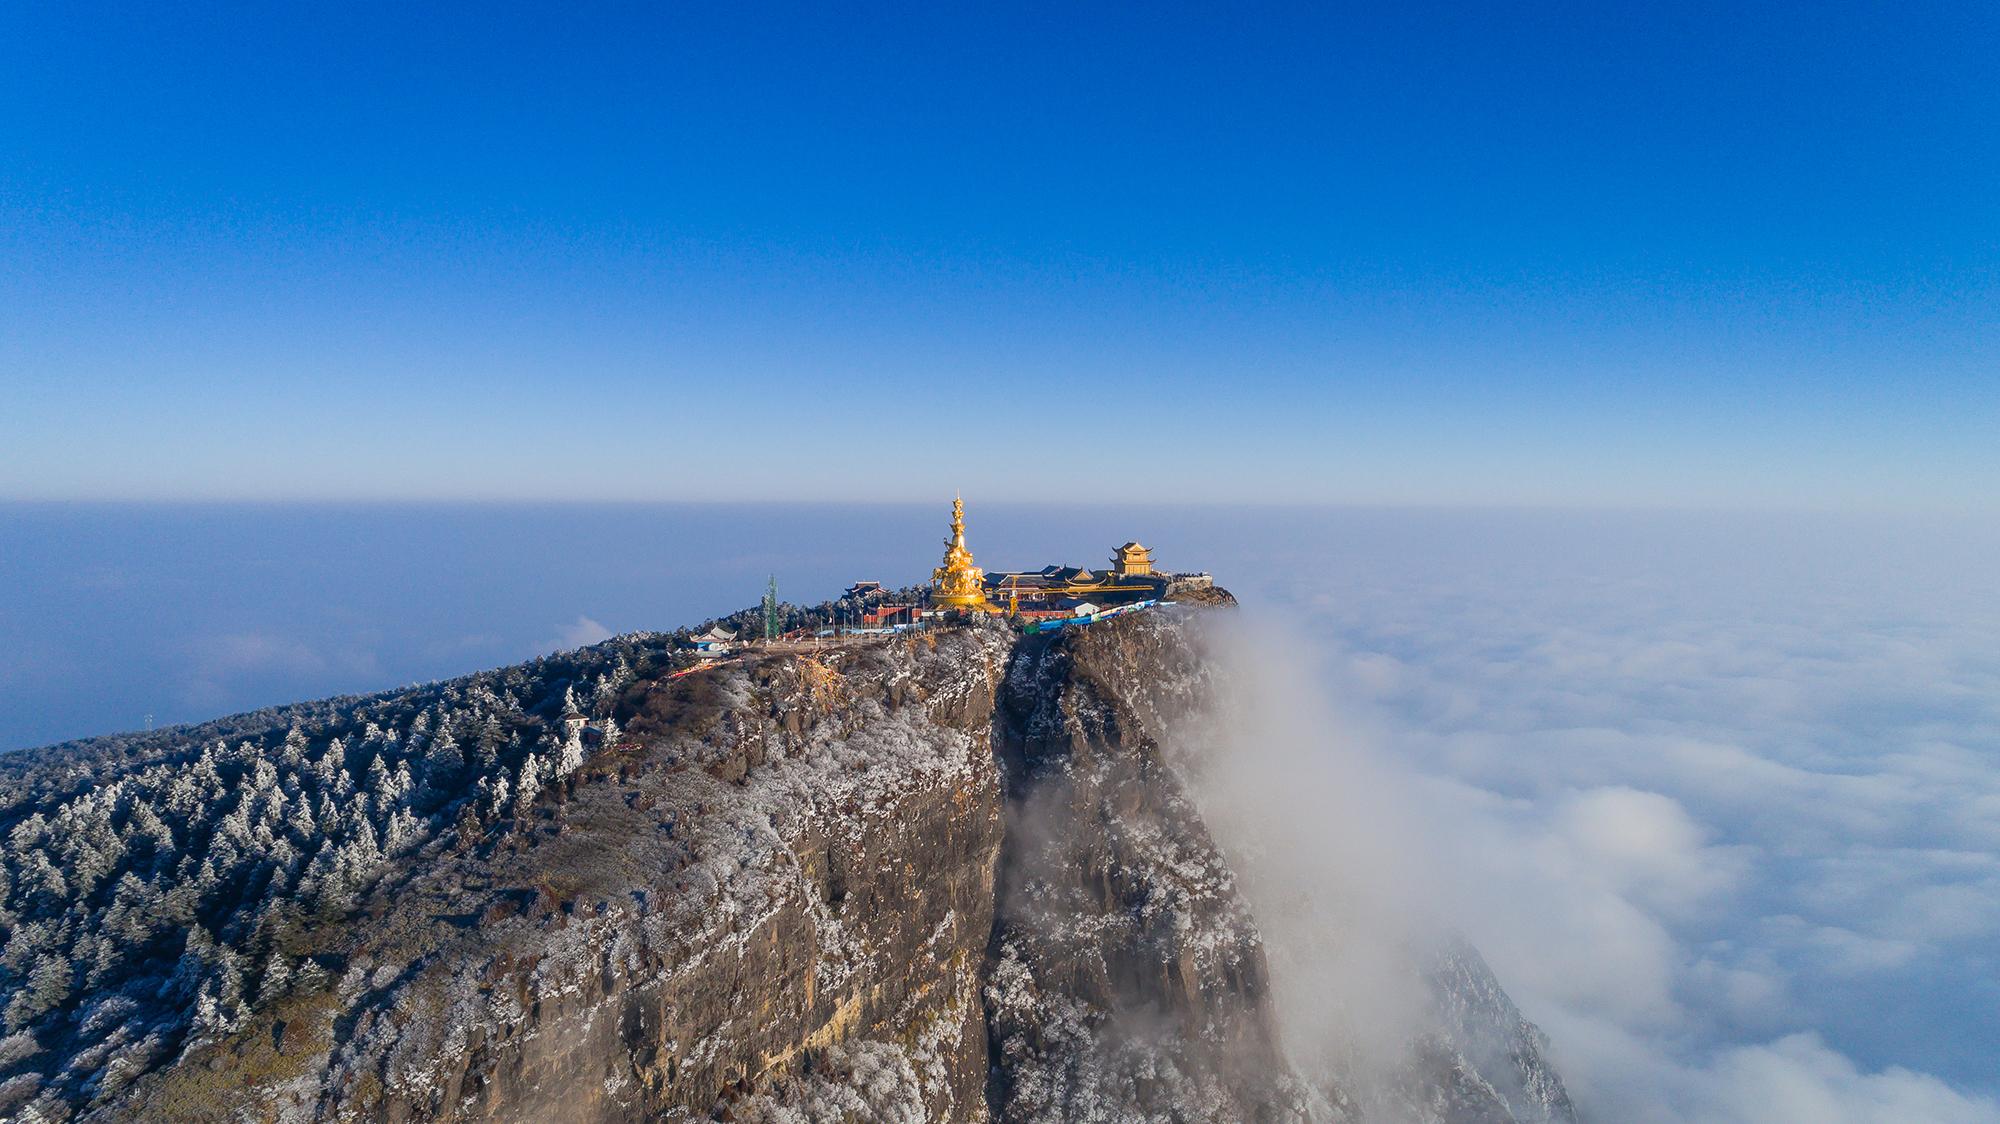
[771, 609]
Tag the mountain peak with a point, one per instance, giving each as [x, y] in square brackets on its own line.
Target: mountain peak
[944, 874]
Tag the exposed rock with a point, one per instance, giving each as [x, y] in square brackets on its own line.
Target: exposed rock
[1130, 980]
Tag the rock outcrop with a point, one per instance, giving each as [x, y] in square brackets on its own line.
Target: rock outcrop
[1129, 981]
[947, 876]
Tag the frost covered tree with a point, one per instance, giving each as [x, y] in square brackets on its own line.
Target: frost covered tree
[47, 984]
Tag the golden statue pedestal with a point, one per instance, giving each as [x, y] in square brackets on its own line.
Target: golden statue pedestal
[958, 584]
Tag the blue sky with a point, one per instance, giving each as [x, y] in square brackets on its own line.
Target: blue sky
[1674, 254]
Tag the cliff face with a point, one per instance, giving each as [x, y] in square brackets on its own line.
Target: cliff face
[1129, 980]
[944, 877]
[777, 890]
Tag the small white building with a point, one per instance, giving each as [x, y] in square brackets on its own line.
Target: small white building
[714, 642]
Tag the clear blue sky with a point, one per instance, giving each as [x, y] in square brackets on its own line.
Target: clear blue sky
[1590, 253]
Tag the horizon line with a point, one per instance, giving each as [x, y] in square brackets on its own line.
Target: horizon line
[1524, 506]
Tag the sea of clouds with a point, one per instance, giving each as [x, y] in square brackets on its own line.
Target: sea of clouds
[1718, 798]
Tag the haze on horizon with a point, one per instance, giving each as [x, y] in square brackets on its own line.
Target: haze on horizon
[1653, 255]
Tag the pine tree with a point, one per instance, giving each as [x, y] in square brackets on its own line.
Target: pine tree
[277, 973]
[47, 986]
[405, 831]
[569, 755]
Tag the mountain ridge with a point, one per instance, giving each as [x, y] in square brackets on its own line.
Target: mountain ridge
[941, 876]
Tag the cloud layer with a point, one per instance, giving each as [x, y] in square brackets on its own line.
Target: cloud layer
[1720, 809]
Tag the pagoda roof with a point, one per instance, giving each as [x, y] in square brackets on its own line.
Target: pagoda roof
[1024, 579]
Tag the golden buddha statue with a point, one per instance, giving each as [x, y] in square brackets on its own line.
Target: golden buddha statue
[958, 584]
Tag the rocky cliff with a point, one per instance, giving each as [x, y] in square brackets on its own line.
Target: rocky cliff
[945, 876]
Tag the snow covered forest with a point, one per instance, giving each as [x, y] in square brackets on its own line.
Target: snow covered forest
[155, 888]
[158, 886]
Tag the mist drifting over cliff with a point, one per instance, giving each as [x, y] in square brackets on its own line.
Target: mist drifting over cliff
[1713, 800]
[1318, 838]
[1332, 857]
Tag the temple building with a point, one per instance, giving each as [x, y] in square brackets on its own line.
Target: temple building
[1131, 559]
[712, 643]
[1053, 583]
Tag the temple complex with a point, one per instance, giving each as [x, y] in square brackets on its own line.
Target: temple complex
[1130, 580]
[1053, 597]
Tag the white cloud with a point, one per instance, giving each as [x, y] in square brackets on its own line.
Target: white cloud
[1708, 808]
[577, 634]
[1646, 847]
[1844, 951]
[1797, 1078]
[241, 652]
[219, 666]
